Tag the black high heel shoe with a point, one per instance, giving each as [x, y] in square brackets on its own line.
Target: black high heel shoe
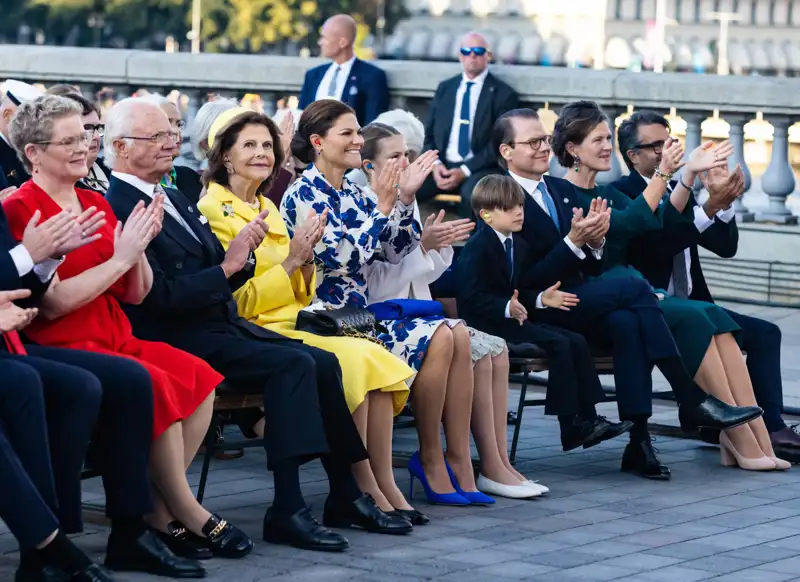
[413, 516]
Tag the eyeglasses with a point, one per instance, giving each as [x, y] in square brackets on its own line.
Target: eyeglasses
[158, 138]
[478, 51]
[536, 143]
[70, 143]
[95, 127]
[656, 146]
[179, 124]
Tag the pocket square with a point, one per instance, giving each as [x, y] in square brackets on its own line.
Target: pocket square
[203, 219]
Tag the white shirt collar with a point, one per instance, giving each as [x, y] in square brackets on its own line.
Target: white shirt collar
[503, 238]
[477, 80]
[530, 186]
[345, 66]
[4, 138]
[136, 182]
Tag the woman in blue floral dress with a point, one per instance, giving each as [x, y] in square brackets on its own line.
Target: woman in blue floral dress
[360, 231]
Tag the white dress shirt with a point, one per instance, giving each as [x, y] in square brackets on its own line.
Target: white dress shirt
[150, 190]
[503, 238]
[341, 80]
[24, 263]
[452, 155]
[532, 188]
[701, 222]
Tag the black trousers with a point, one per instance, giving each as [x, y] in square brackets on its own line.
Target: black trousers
[40, 476]
[573, 384]
[305, 411]
[762, 342]
[120, 437]
[429, 189]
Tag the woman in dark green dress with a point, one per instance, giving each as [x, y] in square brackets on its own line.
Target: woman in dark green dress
[704, 333]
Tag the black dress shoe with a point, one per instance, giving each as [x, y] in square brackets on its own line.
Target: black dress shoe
[715, 414]
[640, 458]
[185, 544]
[413, 516]
[786, 443]
[39, 573]
[302, 531]
[363, 513]
[149, 554]
[604, 430]
[225, 540]
[92, 573]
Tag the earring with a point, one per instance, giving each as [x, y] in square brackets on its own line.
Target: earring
[577, 164]
[229, 168]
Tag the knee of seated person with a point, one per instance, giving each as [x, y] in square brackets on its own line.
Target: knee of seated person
[442, 341]
[461, 338]
[136, 383]
[772, 332]
[17, 375]
[326, 361]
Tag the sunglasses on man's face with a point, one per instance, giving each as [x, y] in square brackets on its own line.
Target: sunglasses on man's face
[478, 51]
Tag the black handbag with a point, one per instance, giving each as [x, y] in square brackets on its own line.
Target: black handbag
[344, 321]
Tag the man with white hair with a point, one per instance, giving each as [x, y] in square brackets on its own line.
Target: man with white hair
[460, 122]
[350, 80]
[12, 172]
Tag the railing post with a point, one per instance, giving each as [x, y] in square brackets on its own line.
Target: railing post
[737, 122]
[778, 181]
[616, 170]
[694, 130]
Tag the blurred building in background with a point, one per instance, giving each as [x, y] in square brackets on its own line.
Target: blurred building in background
[762, 35]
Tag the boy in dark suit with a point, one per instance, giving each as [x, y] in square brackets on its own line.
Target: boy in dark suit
[493, 298]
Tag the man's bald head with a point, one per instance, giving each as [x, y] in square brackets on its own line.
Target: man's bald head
[473, 63]
[337, 37]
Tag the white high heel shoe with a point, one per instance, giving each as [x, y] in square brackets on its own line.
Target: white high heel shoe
[521, 491]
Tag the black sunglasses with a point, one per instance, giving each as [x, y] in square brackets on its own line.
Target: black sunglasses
[478, 51]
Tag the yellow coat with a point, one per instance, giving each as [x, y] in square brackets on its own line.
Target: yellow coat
[272, 299]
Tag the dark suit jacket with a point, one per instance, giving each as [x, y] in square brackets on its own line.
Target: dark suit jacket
[485, 285]
[9, 276]
[552, 260]
[190, 299]
[12, 172]
[496, 98]
[188, 181]
[652, 254]
[366, 90]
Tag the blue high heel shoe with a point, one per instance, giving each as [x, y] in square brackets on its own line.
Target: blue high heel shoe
[474, 497]
[416, 471]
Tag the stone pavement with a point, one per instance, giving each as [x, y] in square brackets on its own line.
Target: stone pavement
[597, 524]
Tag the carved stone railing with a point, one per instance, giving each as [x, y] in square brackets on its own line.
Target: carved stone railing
[412, 84]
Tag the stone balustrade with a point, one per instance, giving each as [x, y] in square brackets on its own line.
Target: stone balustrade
[412, 84]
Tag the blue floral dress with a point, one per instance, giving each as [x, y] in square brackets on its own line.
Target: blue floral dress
[356, 235]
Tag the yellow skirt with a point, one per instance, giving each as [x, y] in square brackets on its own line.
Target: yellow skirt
[366, 366]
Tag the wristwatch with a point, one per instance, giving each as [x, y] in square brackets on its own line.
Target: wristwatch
[659, 174]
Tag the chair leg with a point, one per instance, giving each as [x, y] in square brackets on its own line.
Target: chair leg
[211, 442]
[520, 407]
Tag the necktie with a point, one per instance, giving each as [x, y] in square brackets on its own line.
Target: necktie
[549, 204]
[464, 121]
[13, 343]
[509, 256]
[334, 82]
[680, 281]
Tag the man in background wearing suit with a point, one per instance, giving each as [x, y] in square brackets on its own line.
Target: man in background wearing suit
[568, 247]
[350, 80]
[460, 121]
[12, 172]
[671, 261]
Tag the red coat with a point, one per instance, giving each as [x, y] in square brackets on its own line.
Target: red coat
[181, 382]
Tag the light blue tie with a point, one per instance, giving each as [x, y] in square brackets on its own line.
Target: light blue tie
[551, 206]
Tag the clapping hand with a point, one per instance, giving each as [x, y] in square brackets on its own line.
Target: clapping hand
[437, 234]
[306, 237]
[287, 133]
[6, 192]
[388, 186]
[597, 231]
[708, 156]
[248, 240]
[517, 309]
[671, 157]
[556, 299]
[723, 187]
[412, 178]
[584, 229]
[12, 317]
[131, 239]
[83, 231]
